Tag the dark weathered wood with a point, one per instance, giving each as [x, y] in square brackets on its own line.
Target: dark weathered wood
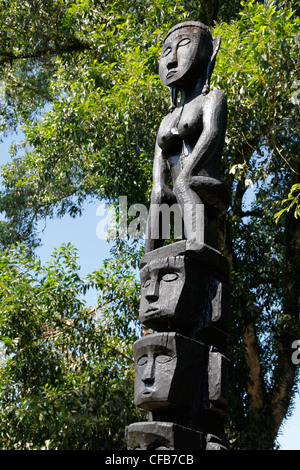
[153, 435]
[191, 137]
[181, 365]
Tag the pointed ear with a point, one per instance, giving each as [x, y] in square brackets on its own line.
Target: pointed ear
[216, 47]
[211, 64]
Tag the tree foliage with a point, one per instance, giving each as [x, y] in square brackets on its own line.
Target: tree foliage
[80, 77]
[66, 378]
[106, 101]
[262, 155]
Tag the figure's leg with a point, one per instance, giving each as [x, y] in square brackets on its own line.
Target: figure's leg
[154, 238]
[163, 215]
[214, 193]
[193, 210]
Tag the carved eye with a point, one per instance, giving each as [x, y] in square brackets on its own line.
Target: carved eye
[146, 283]
[169, 277]
[163, 358]
[184, 42]
[142, 361]
[166, 52]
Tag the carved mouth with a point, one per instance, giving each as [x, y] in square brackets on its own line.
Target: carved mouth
[152, 309]
[171, 73]
[147, 393]
[148, 388]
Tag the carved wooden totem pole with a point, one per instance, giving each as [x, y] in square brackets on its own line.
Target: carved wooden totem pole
[181, 364]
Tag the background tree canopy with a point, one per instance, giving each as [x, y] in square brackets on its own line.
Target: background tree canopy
[80, 78]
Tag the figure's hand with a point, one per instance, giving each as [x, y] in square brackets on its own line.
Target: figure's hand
[162, 193]
[183, 181]
[168, 194]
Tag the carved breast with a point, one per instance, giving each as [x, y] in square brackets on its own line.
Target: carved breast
[168, 137]
[182, 125]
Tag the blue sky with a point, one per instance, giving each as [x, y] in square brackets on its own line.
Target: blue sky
[81, 232]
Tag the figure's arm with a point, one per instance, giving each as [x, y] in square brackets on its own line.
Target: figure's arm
[160, 190]
[212, 135]
[160, 170]
[160, 177]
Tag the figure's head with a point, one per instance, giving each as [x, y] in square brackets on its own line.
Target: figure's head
[155, 360]
[186, 52]
[168, 371]
[173, 291]
[162, 282]
[150, 435]
[189, 52]
[160, 435]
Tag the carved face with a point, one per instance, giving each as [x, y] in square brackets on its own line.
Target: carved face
[173, 290]
[185, 55]
[155, 364]
[162, 283]
[148, 441]
[168, 370]
[157, 435]
[151, 435]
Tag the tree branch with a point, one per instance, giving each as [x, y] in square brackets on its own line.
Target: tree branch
[285, 372]
[9, 57]
[251, 214]
[255, 384]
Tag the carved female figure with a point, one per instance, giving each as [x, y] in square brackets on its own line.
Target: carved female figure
[191, 137]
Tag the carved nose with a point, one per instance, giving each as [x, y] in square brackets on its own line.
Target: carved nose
[148, 375]
[149, 381]
[172, 65]
[172, 62]
[152, 291]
